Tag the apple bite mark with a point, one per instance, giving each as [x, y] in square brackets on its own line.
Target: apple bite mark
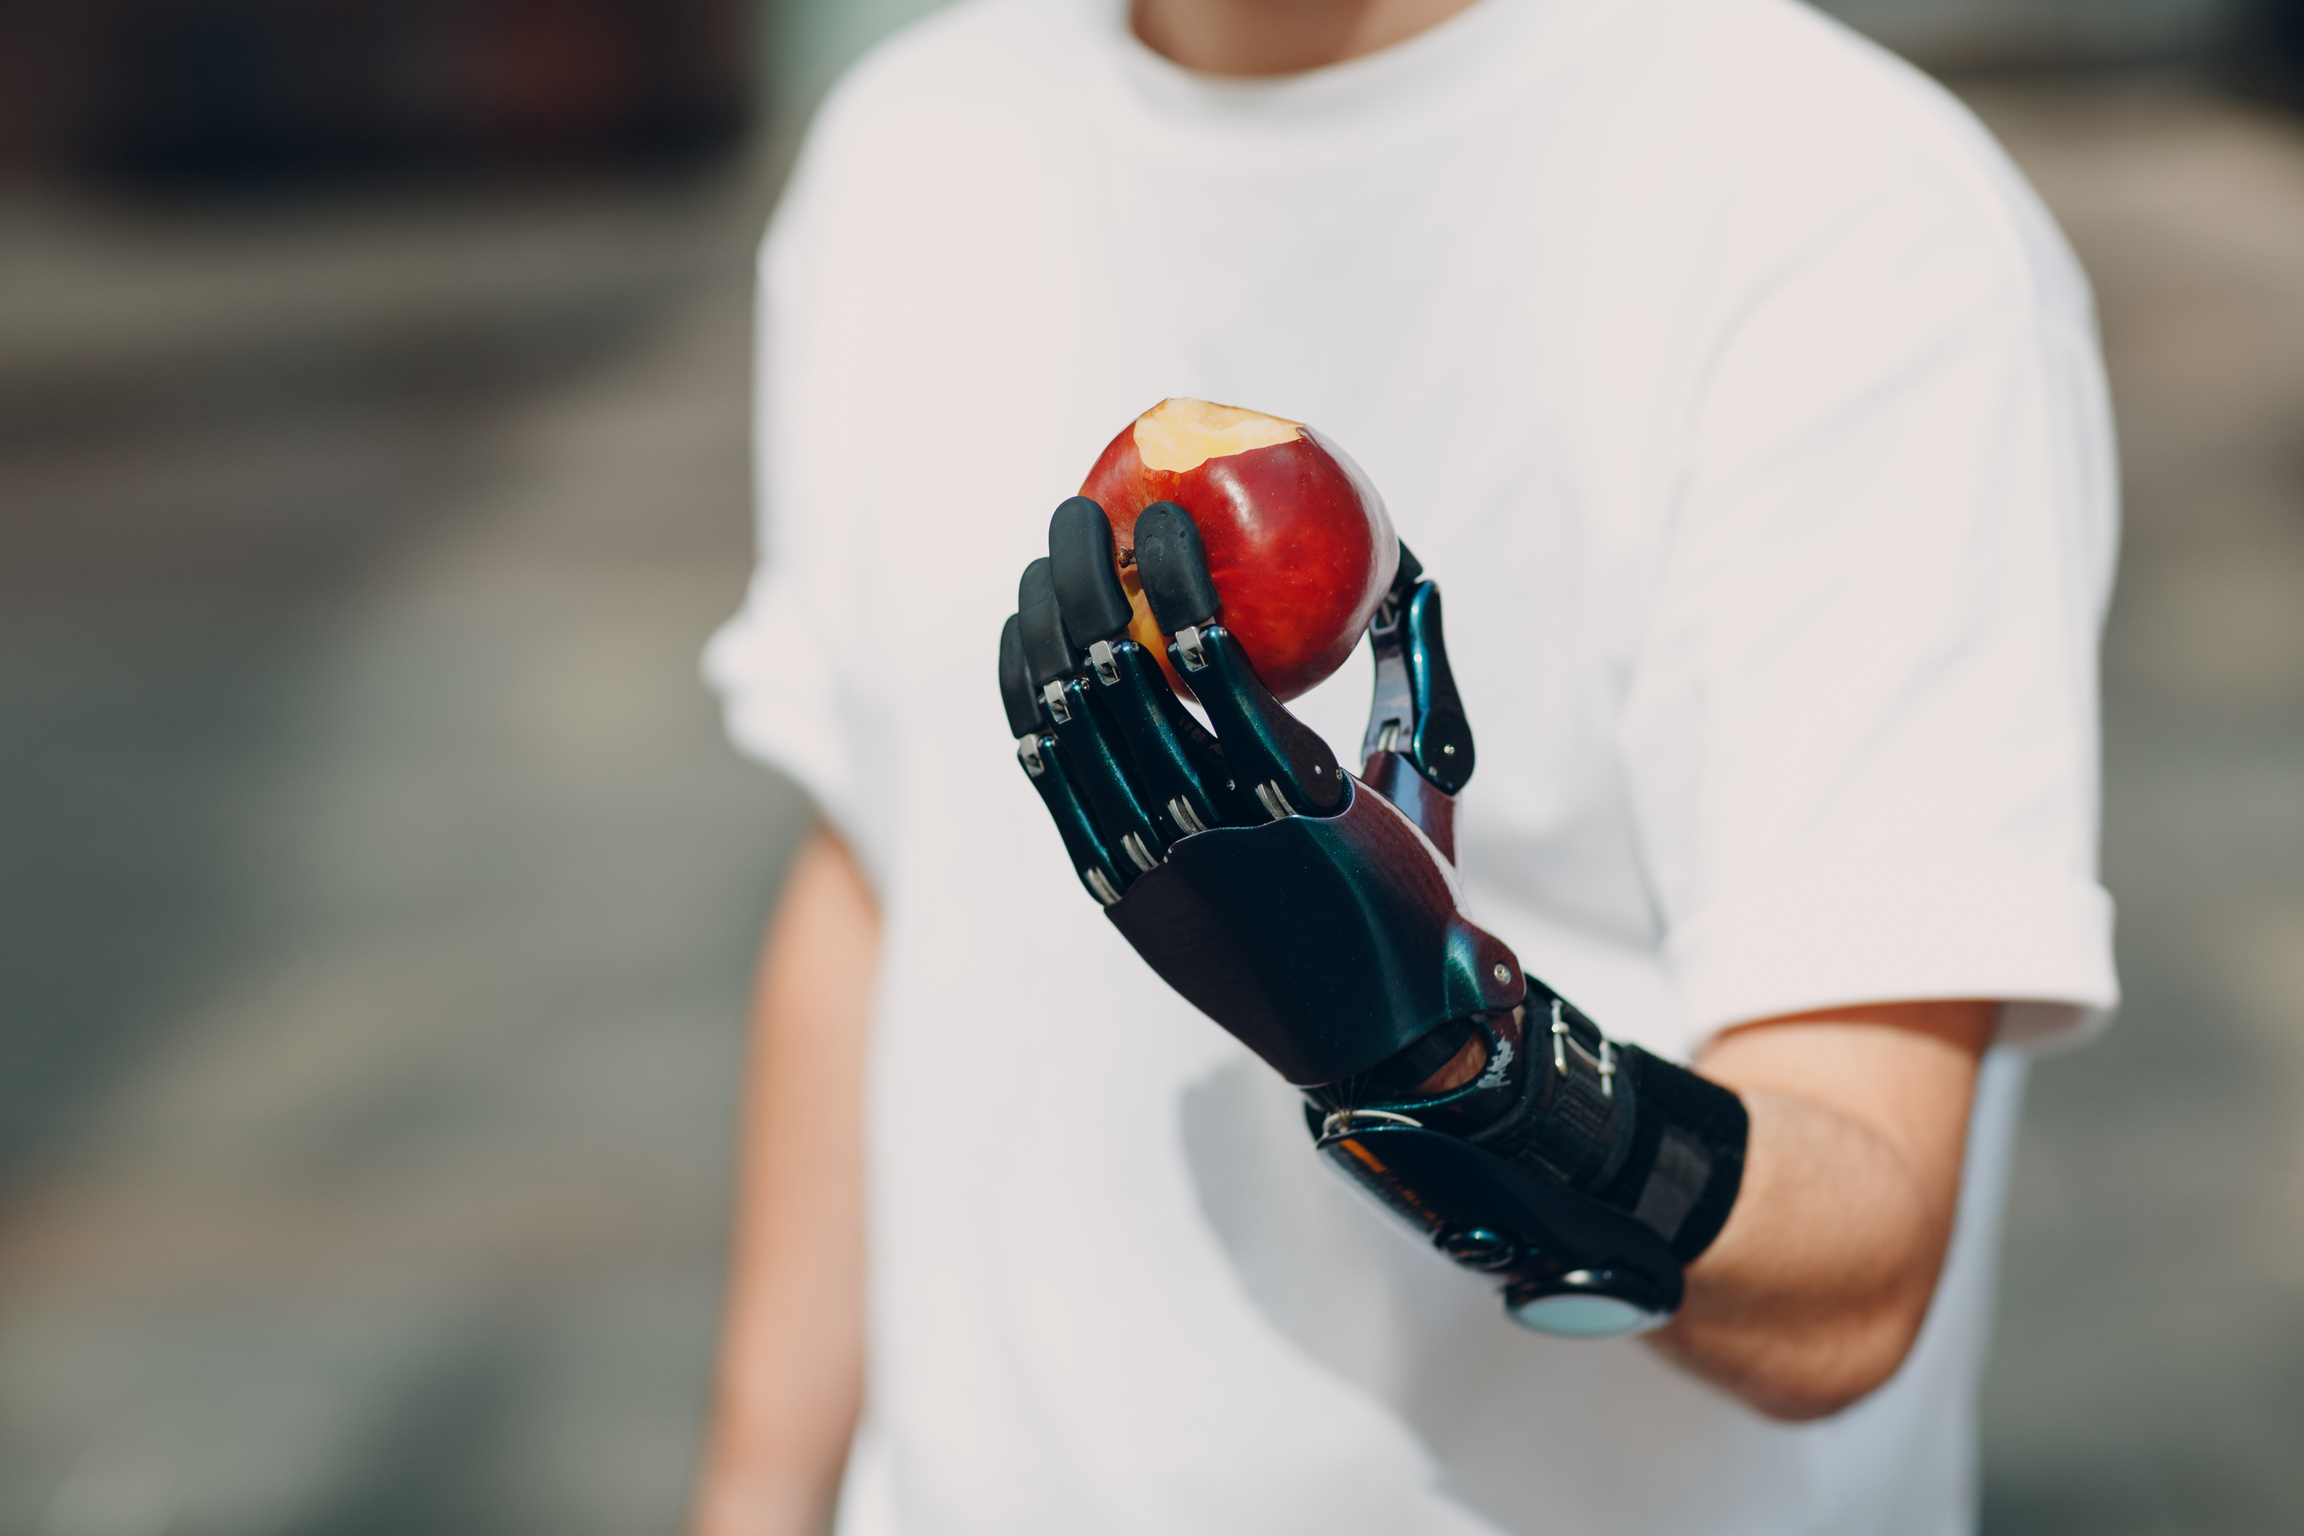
[1179, 435]
[1296, 538]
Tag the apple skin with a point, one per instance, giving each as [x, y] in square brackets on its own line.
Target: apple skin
[1298, 541]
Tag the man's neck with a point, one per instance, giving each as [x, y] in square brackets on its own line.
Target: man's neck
[1280, 37]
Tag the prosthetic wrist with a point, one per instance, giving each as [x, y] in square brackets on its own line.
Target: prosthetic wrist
[1317, 916]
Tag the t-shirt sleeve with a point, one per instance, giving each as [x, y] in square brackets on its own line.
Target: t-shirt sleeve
[1862, 732]
[777, 664]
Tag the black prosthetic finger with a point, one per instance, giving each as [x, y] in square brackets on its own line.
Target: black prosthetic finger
[1416, 711]
[1441, 743]
[1270, 753]
[1092, 744]
[1044, 764]
[1177, 763]
[1080, 567]
[1418, 748]
[1017, 696]
[1173, 566]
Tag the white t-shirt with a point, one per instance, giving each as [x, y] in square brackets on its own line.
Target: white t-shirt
[1747, 408]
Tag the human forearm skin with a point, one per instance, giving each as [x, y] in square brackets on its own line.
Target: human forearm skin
[792, 1351]
[1813, 1293]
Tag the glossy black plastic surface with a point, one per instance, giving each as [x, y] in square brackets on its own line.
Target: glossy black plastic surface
[1415, 711]
[1264, 744]
[1441, 743]
[1044, 765]
[1100, 767]
[1505, 1218]
[1178, 764]
[1325, 944]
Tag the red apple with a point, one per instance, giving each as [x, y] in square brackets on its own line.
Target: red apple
[1297, 539]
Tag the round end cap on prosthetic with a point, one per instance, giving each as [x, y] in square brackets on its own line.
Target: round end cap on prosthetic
[1586, 1310]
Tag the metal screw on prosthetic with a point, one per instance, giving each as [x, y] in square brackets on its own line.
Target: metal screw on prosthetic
[1179, 767]
[1092, 745]
[1271, 754]
[1043, 759]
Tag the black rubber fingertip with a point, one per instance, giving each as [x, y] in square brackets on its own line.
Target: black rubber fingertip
[1088, 591]
[1017, 694]
[1034, 587]
[1047, 655]
[1173, 567]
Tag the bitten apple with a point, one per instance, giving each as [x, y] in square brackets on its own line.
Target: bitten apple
[1297, 539]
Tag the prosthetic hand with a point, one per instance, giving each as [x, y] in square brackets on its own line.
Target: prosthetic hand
[1317, 916]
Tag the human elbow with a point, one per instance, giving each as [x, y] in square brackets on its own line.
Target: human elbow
[1828, 1368]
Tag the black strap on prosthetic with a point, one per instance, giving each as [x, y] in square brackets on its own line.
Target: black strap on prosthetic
[1640, 1134]
[1583, 1174]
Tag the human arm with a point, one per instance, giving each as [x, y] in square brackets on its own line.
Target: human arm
[1815, 1290]
[791, 1373]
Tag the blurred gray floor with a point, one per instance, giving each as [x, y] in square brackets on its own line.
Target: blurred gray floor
[376, 897]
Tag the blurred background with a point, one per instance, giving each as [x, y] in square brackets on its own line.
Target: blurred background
[377, 898]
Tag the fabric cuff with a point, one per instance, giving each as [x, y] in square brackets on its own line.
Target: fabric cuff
[2042, 946]
[778, 697]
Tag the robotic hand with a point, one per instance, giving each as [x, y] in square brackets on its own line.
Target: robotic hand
[1317, 916]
